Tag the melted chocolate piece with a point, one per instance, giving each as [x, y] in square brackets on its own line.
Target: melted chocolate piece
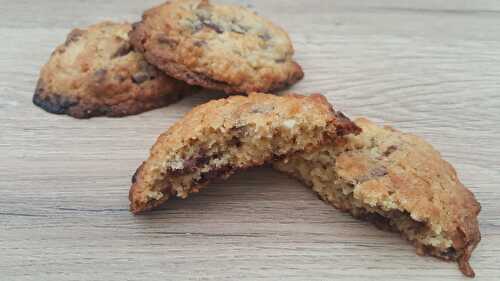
[123, 50]
[100, 74]
[390, 150]
[215, 27]
[140, 77]
[265, 36]
[73, 36]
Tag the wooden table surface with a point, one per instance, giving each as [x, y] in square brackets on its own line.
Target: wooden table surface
[428, 67]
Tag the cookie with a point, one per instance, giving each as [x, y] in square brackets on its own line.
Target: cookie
[218, 138]
[96, 72]
[221, 47]
[399, 182]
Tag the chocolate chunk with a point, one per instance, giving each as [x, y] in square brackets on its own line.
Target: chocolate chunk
[390, 150]
[162, 39]
[167, 187]
[200, 43]
[52, 103]
[235, 141]
[239, 29]
[123, 50]
[374, 173]
[205, 21]
[379, 171]
[216, 173]
[451, 253]
[192, 163]
[215, 27]
[149, 69]
[120, 78]
[379, 221]
[280, 60]
[73, 36]
[100, 75]
[197, 27]
[189, 165]
[265, 36]
[140, 77]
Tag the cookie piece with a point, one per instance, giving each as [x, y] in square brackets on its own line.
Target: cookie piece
[221, 47]
[399, 182]
[96, 72]
[220, 137]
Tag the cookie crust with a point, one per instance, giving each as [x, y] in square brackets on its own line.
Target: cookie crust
[398, 181]
[221, 137]
[220, 47]
[97, 73]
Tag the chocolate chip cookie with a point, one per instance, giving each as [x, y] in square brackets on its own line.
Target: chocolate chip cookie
[399, 182]
[221, 47]
[96, 72]
[223, 136]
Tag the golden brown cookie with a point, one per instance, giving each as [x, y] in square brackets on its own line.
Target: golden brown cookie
[399, 182]
[96, 72]
[221, 47]
[220, 137]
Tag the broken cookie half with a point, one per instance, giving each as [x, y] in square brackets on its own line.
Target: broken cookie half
[397, 181]
[220, 137]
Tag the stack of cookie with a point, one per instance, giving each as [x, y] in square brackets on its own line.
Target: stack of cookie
[117, 69]
[394, 179]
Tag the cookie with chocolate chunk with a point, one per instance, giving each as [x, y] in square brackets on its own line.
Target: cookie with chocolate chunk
[96, 72]
[221, 137]
[399, 182]
[221, 47]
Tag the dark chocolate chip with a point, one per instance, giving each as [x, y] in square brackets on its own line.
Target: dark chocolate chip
[123, 50]
[136, 25]
[235, 141]
[189, 165]
[140, 77]
[390, 150]
[278, 157]
[52, 103]
[197, 27]
[240, 29]
[374, 173]
[73, 36]
[216, 173]
[215, 27]
[379, 171]
[200, 43]
[100, 74]
[148, 68]
[280, 60]
[265, 36]
[163, 39]
[451, 253]
[120, 78]
[167, 187]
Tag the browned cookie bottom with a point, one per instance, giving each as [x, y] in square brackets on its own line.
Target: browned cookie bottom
[81, 109]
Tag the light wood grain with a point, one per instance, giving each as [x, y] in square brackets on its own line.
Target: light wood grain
[429, 67]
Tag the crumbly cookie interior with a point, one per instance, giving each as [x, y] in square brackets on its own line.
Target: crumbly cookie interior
[221, 153]
[317, 170]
